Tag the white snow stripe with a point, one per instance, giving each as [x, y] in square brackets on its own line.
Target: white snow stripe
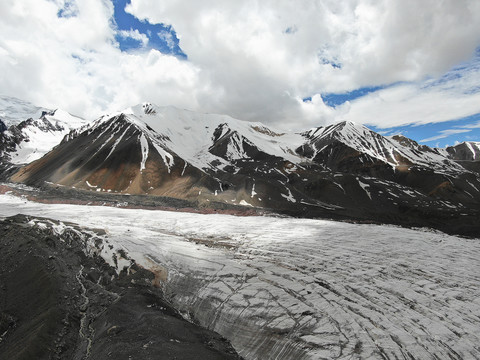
[167, 157]
[365, 187]
[184, 167]
[117, 142]
[289, 197]
[471, 149]
[144, 149]
[102, 146]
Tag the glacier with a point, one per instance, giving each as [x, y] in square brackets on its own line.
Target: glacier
[284, 288]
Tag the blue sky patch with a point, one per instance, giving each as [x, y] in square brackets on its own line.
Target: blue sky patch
[334, 100]
[128, 43]
[160, 36]
[439, 134]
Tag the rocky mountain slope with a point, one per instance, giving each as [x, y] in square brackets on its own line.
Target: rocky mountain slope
[343, 169]
[466, 151]
[28, 132]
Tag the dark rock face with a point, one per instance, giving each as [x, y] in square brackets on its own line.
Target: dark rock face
[469, 151]
[9, 141]
[58, 300]
[3, 127]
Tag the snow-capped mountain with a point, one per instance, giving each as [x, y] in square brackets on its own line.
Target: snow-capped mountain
[30, 131]
[343, 170]
[13, 111]
[171, 152]
[468, 150]
[336, 145]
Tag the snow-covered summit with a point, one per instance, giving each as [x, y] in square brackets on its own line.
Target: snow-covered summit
[191, 135]
[13, 111]
[398, 152]
[32, 131]
[210, 141]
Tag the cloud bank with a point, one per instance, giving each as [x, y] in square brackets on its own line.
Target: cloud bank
[252, 60]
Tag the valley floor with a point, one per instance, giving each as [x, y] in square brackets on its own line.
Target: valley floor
[283, 288]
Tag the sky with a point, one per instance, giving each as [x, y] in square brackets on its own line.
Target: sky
[397, 66]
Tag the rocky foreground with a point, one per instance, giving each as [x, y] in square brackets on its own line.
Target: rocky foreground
[60, 300]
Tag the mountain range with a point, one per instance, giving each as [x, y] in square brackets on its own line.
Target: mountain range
[28, 132]
[342, 171]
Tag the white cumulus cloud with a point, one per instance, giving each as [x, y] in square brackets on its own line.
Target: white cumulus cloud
[167, 36]
[252, 60]
[135, 35]
[257, 67]
[75, 62]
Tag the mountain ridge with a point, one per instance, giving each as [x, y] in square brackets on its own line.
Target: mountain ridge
[342, 170]
[30, 131]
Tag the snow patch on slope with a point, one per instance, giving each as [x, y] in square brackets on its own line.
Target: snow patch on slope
[470, 147]
[144, 145]
[117, 142]
[166, 156]
[365, 188]
[253, 191]
[289, 197]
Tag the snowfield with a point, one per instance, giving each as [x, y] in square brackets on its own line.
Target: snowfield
[281, 288]
[43, 135]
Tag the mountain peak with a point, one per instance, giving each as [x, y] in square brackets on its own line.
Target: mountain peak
[32, 131]
[149, 109]
[467, 150]
[13, 111]
[346, 125]
[344, 130]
